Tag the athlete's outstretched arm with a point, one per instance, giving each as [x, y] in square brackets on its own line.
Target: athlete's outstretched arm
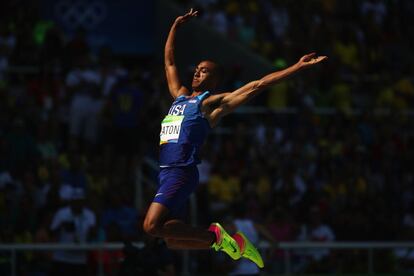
[174, 83]
[227, 102]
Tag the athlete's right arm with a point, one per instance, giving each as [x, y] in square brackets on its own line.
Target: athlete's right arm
[174, 83]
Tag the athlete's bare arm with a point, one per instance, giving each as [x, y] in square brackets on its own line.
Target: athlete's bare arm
[174, 83]
[219, 105]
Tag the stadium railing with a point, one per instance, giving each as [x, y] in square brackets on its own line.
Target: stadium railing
[286, 246]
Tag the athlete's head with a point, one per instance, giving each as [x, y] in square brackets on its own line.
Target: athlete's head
[206, 76]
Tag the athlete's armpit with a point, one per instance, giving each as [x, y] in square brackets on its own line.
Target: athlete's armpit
[214, 109]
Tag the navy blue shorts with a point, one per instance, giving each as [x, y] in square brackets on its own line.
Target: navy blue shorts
[175, 187]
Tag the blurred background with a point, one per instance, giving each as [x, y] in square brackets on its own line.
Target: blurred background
[322, 157]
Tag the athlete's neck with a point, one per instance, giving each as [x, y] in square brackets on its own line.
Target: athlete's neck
[196, 93]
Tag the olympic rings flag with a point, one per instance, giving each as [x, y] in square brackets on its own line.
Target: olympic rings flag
[75, 14]
[126, 25]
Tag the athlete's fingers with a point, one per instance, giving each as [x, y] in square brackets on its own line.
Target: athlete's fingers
[309, 56]
[191, 13]
[187, 14]
[320, 59]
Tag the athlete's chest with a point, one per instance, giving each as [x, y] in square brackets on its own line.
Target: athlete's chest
[184, 108]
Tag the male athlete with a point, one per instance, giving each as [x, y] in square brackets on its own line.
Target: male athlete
[183, 131]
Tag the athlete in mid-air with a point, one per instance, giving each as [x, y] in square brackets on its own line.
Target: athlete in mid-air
[183, 131]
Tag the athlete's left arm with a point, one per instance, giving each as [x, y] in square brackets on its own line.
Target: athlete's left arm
[227, 102]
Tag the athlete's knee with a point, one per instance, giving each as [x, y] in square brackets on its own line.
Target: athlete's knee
[151, 228]
[154, 220]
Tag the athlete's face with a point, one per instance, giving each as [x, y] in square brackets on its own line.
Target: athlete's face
[205, 76]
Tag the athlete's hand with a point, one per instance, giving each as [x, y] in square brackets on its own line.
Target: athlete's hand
[310, 59]
[183, 18]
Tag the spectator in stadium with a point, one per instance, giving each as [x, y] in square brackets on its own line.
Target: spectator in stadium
[153, 259]
[253, 231]
[31, 88]
[73, 176]
[83, 89]
[283, 229]
[224, 188]
[291, 185]
[122, 215]
[74, 223]
[316, 231]
[125, 110]
[110, 259]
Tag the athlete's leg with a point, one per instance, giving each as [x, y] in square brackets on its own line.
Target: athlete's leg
[177, 183]
[181, 236]
[182, 243]
[155, 224]
[187, 244]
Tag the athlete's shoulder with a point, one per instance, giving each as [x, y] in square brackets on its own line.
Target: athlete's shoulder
[216, 97]
[204, 95]
[180, 98]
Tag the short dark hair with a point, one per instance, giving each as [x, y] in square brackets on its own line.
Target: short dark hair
[218, 69]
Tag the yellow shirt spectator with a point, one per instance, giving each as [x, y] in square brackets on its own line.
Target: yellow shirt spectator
[224, 188]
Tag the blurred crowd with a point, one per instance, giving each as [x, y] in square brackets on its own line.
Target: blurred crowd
[76, 126]
[316, 178]
[368, 43]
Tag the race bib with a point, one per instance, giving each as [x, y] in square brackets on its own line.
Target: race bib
[170, 129]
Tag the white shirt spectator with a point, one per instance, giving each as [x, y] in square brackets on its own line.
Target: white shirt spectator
[321, 233]
[204, 169]
[84, 108]
[82, 222]
[76, 76]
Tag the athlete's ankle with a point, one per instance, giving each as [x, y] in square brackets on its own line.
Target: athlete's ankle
[215, 231]
[213, 239]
